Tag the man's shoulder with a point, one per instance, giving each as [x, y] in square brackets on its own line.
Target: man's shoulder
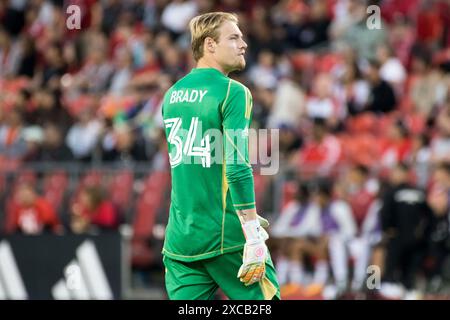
[238, 87]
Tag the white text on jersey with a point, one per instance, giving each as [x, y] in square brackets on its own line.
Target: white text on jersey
[191, 96]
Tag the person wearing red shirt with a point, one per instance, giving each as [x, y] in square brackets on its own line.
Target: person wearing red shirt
[396, 147]
[321, 153]
[93, 210]
[32, 214]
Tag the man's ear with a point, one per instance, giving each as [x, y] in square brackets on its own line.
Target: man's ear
[210, 44]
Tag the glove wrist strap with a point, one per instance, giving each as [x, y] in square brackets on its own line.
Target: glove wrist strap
[251, 231]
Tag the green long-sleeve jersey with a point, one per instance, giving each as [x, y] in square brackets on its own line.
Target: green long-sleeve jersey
[207, 116]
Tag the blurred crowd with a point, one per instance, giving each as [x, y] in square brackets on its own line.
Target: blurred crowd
[365, 233]
[360, 110]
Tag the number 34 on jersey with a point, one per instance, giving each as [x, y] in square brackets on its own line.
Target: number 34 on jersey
[186, 147]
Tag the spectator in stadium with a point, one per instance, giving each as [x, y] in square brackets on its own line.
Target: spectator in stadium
[320, 153]
[290, 142]
[28, 57]
[263, 100]
[426, 82]
[22, 102]
[392, 70]
[92, 212]
[363, 193]
[83, 135]
[366, 248]
[345, 16]
[310, 28]
[174, 63]
[260, 35]
[352, 90]
[337, 228]
[439, 240]
[145, 114]
[292, 231]
[359, 190]
[419, 158]
[359, 36]
[95, 75]
[32, 213]
[176, 15]
[401, 38]
[48, 108]
[122, 74]
[396, 146]
[71, 59]
[289, 101]
[111, 10]
[147, 74]
[440, 142]
[429, 24]
[382, 97]
[53, 68]
[405, 218]
[263, 73]
[33, 136]
[12, 142]
[53, 148]
[9, 54]
[123, 146]
[322, 103]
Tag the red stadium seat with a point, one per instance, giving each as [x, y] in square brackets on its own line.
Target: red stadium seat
[327, 62]
[289, 191]
[360, 149]
[303, 60]
[364, 123]
[148, 204]
[120, 188]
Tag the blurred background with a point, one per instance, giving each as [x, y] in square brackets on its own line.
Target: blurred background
[363, 112]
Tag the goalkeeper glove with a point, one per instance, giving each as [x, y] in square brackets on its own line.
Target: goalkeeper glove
[264, 224]
[253, 268]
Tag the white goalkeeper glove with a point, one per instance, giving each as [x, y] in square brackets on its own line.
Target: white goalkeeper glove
[264, 224]
[253, 268]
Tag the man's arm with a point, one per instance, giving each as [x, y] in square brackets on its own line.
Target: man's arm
[236, 112]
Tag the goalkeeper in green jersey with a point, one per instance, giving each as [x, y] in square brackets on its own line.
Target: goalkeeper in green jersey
[214, 237]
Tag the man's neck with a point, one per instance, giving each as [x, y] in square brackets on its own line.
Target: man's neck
[204, 63]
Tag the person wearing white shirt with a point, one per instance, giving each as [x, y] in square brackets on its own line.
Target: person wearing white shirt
[83, 136]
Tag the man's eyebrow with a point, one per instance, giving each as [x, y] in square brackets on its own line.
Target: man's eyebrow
[236, 35]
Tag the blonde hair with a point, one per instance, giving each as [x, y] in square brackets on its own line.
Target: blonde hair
[207, 25]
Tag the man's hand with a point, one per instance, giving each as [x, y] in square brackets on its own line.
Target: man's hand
[253, 268]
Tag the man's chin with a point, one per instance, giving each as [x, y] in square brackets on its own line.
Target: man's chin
[239, 67]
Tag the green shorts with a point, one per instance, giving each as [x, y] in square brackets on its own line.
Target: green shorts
[199, 280]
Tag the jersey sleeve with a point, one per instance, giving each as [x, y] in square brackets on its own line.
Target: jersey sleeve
[236, 113]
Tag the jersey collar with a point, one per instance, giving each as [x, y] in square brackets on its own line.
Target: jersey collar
[207, 70]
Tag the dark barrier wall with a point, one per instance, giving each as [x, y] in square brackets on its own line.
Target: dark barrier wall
[60, 267]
